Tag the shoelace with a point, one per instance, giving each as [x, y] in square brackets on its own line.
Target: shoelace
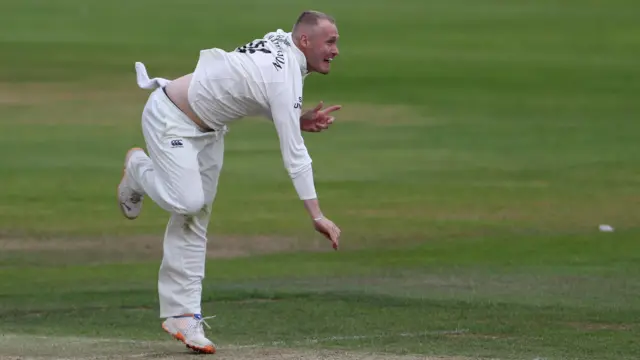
[198, 325]
[202, 321]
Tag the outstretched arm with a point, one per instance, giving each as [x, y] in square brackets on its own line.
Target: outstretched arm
[286, 118]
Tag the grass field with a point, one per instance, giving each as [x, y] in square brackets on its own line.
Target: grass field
[480, 145]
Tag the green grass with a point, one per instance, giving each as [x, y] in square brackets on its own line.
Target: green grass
[480, 145]
[572, 298]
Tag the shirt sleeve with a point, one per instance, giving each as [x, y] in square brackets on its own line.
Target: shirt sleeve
[285, 113]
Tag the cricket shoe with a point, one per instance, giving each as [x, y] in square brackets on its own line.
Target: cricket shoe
[188, 329]
[130, 201]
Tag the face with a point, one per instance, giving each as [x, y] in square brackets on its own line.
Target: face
[320, 46]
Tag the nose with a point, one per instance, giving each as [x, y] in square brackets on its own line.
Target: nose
[335, 51]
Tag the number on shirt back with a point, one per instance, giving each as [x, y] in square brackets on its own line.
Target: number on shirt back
[253, 47]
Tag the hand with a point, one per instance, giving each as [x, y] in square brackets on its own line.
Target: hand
[327, 228]
[316, 120]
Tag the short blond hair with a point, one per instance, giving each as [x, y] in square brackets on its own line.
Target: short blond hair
[311, 17]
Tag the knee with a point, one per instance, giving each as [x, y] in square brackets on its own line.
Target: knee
[190, 204]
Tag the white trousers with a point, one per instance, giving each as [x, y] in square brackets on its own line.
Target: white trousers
[180, 174]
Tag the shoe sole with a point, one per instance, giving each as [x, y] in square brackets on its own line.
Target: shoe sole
[179, 337]
[124, 171]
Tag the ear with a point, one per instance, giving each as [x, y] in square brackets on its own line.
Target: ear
[304, 40]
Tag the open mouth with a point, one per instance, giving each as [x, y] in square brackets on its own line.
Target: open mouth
[328, 61]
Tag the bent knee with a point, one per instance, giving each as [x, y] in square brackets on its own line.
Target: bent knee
[190, 204]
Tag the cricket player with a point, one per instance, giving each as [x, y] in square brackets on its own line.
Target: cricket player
[184, 123]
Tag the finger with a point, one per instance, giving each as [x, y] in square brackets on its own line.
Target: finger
[319, 107]
[324, 119]
[336, 242]
[331, 109]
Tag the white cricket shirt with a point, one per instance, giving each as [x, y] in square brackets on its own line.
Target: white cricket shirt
[262, 78]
